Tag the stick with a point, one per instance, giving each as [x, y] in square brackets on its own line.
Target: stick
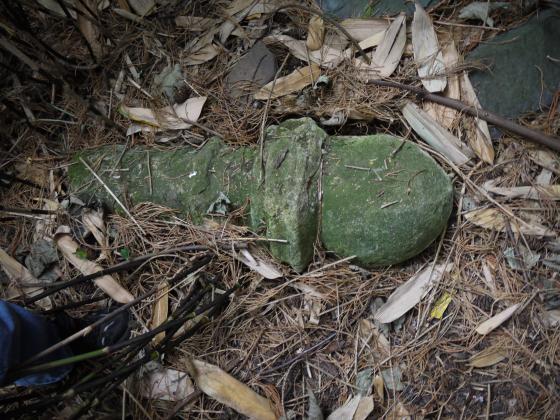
[532, 135]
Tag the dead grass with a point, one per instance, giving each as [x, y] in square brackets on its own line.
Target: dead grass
[264, 337]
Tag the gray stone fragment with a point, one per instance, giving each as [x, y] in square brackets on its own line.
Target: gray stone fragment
[514, 83]
[253, 70]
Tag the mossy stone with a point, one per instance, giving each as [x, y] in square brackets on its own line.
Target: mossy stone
[383, 201]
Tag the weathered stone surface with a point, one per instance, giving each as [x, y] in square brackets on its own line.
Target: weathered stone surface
[382, 216]
[388, 212]
[254, 69]
[514, 83]
[288, 201]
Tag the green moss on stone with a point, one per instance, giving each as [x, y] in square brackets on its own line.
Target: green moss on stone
[389, 212]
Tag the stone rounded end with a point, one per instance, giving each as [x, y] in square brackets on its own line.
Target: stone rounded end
[383, 201]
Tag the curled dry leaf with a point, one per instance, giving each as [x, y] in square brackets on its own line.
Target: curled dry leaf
[442, 114]
[535, 192]
[546, 159]
[435, 135]
[177, 117]
[479, 138]
[160, 310]
[19, 274]
[488, 357]
[492, 323]
[315, 33]
[107, 283]
[407, 295]
[346, 411]
[195, 23]
[388, 54]
[495, 220]
[251, 259]
[293, 82]
[166, 384]
[428, 56]
[227, 390]
[361, 29]
[370, 336]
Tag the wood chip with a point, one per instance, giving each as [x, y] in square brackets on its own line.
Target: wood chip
[497, 320]
[428, 56]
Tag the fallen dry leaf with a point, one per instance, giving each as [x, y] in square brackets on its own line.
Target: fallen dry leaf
[327, 56]
[493, 219]
[107, 283]
[315, 33]
[293, 82]
[378, 386]
[257, 264]
[488, 357]
[160, 310]
[435, 135]
[535, 192]
[365, 407]
[195, 23]
[177, 117]
[166, 384]
[89, 29]
[388, 54]
[17, 273]
[428, 56]
[346, 411]
[370, 336]
[497, 320]
[479, 138]
[407, 295]
[227, 390]
[442, 114]
[361, 29]
[546, 159]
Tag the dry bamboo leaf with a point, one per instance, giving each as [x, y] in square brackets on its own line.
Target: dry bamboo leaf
[293, 82]
[346, 411]
[168, 118]
[495, 220]
[407, 295]
[479, 139]
[195, 23]
[388, 54]
[399, 412]
[160, 311]
[236, 12]
[89, 29]
[108, 284]
[365, 407]
[227, 390]
[19, 274]
[142, 7]
[361, 29]
[442, 114]
[166, 384]
[378, 386]
[370, 336]
[551, 319]
[315, 33]
[435, 135]
[326, 57]
[202, 55]
[32, 172]
[497, 320]
[265, 269]
[546, 159]
[535, 192]
[93, 221]
[487, 357]
[431, 67]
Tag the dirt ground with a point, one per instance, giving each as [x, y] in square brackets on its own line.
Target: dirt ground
[303, 335]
